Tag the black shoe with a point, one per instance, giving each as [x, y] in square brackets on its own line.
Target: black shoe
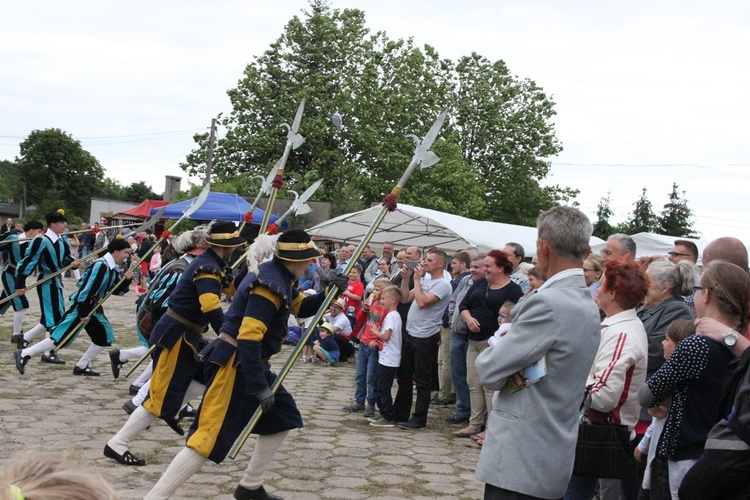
[129, 407]
[133, 390]
[175, 426]
[438, 402]
[20, 361]
[52, 358]
[452, 419]
[88, 372]
[242, 493]
[187, 412]
[114, 359]
[17, 338]
[412, 425]
[126, 458]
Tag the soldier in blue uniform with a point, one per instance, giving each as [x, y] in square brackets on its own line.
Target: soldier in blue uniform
[238, 371]
[97, 281]
[48, 255]
[178, 373]
[14, 251]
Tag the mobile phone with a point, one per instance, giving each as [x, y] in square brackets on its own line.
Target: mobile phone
[412, 264]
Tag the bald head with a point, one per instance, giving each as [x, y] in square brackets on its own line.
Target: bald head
[727, 248]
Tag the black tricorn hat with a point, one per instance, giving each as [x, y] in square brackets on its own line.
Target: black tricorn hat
[296, 246]
[224, 234]
[58, 216]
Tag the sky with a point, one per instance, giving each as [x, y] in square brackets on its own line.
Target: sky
[647, 93]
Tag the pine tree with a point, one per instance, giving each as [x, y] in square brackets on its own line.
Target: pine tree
[602, 228]
[675, 219]
[642, 219]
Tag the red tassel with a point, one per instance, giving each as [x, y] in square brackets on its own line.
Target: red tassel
[272, 229]
[248, 217]
[278, 182]
[165, 234]
[390, 202]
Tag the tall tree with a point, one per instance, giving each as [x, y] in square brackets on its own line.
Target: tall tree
[642, 218]
[139, 191]
[602, 228]
[58, 172]
[676, 218]
[11, 190]
[492, 148]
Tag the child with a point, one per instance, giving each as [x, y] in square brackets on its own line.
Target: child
[354, 294]
[326, 348]
[390, 355]
[678, 330]
[369, 315]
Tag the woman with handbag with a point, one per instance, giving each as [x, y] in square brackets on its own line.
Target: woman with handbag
[619, 367]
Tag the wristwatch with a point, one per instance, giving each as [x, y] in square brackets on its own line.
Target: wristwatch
[731, 338]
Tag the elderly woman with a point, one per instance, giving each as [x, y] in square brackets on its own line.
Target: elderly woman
[693, 377]
[619, 367]
[479, 309]
[663, 304]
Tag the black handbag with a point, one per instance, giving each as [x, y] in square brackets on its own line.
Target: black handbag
[603, 449]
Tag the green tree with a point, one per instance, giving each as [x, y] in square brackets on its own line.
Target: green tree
[642, 218]
[58, 172]
[11, 190]
[492, 147]
[139, 191]
[676, 218]
[602, 228]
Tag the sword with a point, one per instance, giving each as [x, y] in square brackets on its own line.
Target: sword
[293, 141]
[146, 225]
[421, 154]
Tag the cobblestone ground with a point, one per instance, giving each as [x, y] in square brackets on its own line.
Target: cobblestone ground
[336, 455]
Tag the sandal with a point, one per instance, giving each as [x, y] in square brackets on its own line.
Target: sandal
[126, 458]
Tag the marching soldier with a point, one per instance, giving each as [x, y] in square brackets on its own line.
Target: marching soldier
[14, 251]
[96, 283]
[177, 372]
[48, 255]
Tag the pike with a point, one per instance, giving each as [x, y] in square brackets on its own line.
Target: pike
[197, 203]
[146, 225]
[293, 141]
[79, 231]
[265, 189]
[422, 156]
[299, 207]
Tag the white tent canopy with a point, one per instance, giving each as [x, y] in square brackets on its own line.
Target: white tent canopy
[421, 227]
[648, 244]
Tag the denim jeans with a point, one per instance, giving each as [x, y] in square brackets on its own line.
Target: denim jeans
[364, 377]
[459, 347]
[581, 488]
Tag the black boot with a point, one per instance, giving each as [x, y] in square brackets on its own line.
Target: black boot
[242, 493]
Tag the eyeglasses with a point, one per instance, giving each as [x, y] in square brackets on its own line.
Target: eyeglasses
[587, 269]
[677, 254]
[696, 288]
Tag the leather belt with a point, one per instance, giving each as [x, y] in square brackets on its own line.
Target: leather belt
[228, 339]
[193, 326]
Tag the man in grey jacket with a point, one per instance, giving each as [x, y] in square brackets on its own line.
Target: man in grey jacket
[531, 434]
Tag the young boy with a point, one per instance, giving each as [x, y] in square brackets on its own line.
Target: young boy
[369, 315]
[326, 348]
[390, 355]
[354, 294]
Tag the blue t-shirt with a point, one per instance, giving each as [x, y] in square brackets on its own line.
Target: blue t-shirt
[330, 345]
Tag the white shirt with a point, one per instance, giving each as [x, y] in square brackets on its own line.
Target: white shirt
[391, 353]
